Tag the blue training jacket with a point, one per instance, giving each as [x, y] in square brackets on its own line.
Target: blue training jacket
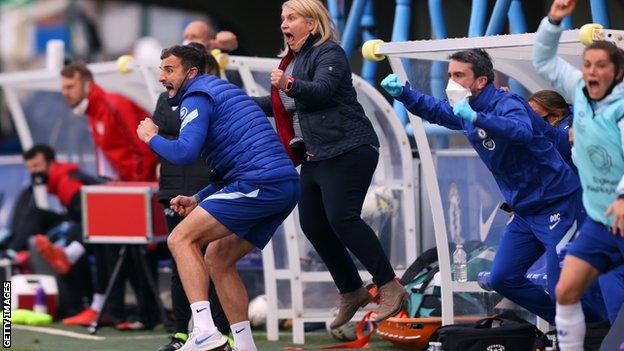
[231, 133]
[516, 145]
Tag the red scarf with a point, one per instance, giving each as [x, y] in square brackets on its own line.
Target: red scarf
[284, 119]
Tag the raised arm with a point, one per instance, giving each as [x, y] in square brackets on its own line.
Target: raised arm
[195, 113]
[429, 108]
[559, 73]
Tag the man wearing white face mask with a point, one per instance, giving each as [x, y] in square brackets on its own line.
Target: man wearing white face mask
[517, 146]
[112, 120]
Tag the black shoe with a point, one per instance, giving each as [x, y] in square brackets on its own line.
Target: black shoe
[176, 343]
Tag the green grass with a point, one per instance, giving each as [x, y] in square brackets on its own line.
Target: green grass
[23, 340]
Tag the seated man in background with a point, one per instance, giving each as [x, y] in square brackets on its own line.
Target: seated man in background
[69, 263]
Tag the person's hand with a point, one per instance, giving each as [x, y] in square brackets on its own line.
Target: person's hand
[147, 130]
[279, 79]
[183, 205]
[617, 210]
[463, 110]
[561, 8]
[392, 85]
[225, 41]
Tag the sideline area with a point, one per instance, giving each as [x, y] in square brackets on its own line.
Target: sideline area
[33, 340]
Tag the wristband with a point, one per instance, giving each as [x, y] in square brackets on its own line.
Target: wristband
[289, 84]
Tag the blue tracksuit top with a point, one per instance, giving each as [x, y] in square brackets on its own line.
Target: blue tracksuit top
[515, 144]
[231, 133]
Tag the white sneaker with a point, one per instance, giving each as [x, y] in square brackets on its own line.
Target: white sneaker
[202, 341]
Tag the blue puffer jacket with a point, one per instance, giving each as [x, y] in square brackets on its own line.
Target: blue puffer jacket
[513, 143]
[241, 144]
[233, 136]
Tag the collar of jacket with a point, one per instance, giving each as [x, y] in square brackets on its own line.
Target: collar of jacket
[312, 38]
[483, 100]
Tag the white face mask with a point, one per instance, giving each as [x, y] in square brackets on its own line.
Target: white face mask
[81, 108]
[456, 92]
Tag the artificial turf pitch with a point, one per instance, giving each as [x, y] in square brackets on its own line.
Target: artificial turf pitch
[34, 340]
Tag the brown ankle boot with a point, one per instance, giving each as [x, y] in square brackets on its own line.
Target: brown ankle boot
[392, 296]
[349, 304]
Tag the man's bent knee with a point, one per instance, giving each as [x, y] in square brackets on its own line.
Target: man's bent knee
[176, 241]
[568, 293]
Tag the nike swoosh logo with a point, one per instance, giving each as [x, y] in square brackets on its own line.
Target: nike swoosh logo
[238, 331]
[201, 341]
[484, 227]
[553, 225]
[201, 309]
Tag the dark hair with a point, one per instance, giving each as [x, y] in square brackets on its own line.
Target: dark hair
[212, 67]
[47, 152]
[616, 55]
[190, 56]
[79, 68]
[551, 102]
[479, 59]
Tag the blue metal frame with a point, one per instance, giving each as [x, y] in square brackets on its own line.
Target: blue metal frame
[336, 10]
[599, 11]
[400, 32]
[369, 68]
[478, 15]
[351, 30]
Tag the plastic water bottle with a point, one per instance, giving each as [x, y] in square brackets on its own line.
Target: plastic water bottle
[460, 268]
[435, 346]
[40, 300]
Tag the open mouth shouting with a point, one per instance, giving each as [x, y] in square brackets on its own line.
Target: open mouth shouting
[290, 38]
[594, 88]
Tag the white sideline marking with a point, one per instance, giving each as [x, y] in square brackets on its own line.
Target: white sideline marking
[59, 332]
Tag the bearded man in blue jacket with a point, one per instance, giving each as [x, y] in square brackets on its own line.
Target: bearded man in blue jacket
[520, 150]
[259, 188]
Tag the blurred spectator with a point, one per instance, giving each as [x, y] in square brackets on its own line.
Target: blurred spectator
[552, 107]
[67, 262]
[112, 120]
[204, 33]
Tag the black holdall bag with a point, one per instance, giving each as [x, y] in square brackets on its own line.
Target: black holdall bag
[490, 334]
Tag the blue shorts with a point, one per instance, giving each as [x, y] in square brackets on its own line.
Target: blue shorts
[253, 211]
[598, 247]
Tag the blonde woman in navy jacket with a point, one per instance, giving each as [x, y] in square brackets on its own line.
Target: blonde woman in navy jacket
[313, 86]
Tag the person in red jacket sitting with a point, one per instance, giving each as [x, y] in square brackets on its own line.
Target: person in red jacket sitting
[63, 180]
[112, 120]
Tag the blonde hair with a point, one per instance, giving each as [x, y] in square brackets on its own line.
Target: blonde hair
[313, 10]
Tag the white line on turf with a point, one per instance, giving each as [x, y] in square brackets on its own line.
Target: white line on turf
[58, 332]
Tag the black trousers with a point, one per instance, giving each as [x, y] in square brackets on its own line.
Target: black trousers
[332, 194]
[179, 301]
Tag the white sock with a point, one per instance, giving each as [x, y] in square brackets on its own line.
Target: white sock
[74, 251]
[570, 327]
[98, 302]
[243, 339]
[202, 318]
